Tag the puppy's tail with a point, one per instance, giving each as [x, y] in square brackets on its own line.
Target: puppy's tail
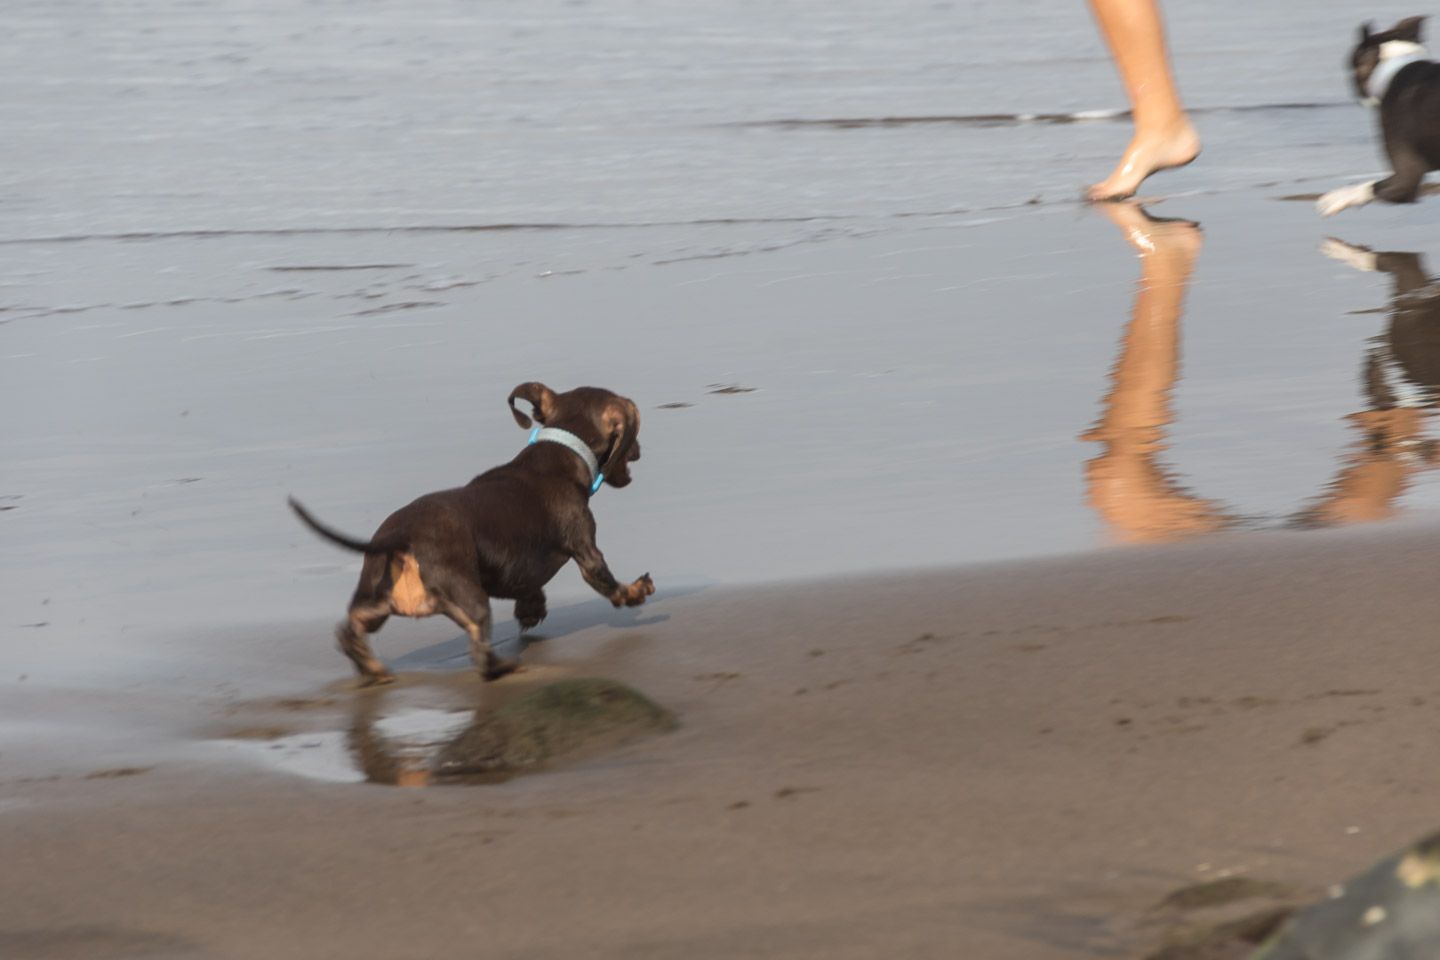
[340, 539]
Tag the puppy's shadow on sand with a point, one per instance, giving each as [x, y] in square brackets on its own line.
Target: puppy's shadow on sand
[560, 623]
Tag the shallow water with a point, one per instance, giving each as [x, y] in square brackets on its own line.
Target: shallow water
[146, 115]
[253, 249]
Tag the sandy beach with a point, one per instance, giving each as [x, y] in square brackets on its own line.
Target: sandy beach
[1019, 563]
[1019, 761]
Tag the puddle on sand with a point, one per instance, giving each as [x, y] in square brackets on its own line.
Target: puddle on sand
[396, 736]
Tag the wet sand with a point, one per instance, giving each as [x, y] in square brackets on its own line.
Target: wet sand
[1016, 762]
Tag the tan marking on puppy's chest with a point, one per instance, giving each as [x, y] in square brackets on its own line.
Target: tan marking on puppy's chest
[408, 596]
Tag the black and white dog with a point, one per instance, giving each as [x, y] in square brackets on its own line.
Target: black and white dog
[1392, 71]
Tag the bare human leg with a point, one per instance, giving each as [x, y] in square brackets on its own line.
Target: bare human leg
[1164, 138]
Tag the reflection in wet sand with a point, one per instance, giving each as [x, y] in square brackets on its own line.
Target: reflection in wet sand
[1141, 500]
[1128, 484]
[1401, 379]
[564, 719]
[397, 761]
[1376, 470]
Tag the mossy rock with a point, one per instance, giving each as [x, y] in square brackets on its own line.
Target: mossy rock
[1390, 911]
[564, 719]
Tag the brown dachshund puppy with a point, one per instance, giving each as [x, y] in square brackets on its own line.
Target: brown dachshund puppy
[505, 534]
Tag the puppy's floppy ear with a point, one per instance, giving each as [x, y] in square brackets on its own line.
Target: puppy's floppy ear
[1365, 32]
[1408, 29]
[621, 419]
[541, 399]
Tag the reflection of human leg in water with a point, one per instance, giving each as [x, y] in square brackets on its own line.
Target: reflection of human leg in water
[1127, 484]
[1163, 137]
[1402, 381]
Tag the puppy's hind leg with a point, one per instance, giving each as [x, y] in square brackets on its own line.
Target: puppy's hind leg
[369, 609]
[352, 633]
[469, 607]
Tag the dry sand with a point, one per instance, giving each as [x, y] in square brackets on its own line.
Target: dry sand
[1012, 762]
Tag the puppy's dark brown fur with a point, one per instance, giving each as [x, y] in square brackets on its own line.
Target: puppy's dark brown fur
[505, 534]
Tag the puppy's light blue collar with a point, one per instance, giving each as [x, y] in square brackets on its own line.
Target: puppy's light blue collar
[1401, 55]
[567, 439]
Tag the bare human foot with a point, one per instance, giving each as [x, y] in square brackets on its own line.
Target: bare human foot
[1135, 33]
[1150, 151]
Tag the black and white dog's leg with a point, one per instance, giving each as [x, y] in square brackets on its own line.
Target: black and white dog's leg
[1402, 186]
[1342, 198]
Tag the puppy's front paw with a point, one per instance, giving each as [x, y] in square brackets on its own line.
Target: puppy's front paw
[634, 594]
[1361, 258]
[1355, 195]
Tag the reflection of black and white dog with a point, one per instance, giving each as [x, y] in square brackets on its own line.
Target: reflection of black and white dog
[1392, 71]
[1402, 367]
